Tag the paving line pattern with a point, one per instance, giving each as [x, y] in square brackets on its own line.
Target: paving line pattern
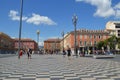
[57, 67]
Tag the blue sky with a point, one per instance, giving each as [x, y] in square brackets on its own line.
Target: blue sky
[52, 17]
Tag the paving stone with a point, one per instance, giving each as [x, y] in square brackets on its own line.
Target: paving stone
[72, 78]
[43, 76]
[14, 76]
[61, 77]
[1, 78]
[94, 74]
[101, 77]
[42, 79]
[11, 79]
[69, 75]
[27, 78]
[55, 67]
[27, 75]
[110, 74]
[116, 77]
[105, 79]
[88, 79]
[84, 76]
[4, 75]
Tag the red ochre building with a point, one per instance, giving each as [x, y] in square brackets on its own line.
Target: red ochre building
[84, 38]
[6, 44]
[26, 43]
[10, 45]
[52, 45]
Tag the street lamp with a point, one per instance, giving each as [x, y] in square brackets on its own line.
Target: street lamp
[38, 33]
[20, 28]
[63, 38]
[74, 20]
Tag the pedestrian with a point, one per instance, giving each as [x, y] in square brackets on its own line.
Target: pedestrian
[28, 53]
[64, 53]
[20, 53]
[68, 53]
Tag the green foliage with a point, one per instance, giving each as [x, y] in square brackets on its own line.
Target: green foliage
[100, 44]
[111, 42]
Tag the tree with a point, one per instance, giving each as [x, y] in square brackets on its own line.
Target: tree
[100, 45]
[111, 42]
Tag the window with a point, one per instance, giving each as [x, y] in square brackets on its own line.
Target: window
[94, 37]
[99, 37]
[90, 43]
[95, 42]
[80, 36]
[85, 36]
[80, 43]
[118, 32]
[90, 36]
[85, 43]
[117, 26]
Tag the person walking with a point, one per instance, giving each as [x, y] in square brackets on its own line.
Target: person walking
[28, 53]
[64, 53]
[69, 53]
[20, 53]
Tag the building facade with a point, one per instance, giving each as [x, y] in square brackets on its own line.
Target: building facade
[85, 39]
[113, 27]
[6, 44]
[52, 45]
[26, 43]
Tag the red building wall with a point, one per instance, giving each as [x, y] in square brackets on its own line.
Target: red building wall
[26, 43]
[52, 45]
[91, 37]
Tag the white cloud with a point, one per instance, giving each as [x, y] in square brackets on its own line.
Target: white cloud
[117, 10]
[37, 20]
[34, 19]
[117, 15]
[14, 15]
[117, 6]
[104, 8]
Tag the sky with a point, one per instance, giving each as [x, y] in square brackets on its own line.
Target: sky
[52, 17]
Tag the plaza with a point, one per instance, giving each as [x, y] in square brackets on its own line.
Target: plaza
[57, 67]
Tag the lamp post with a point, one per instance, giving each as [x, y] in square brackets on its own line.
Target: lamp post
[74, 20]
[63, 39]
[20, 27]
[38, 33]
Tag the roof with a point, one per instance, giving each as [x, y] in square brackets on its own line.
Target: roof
[91, 31]
[53, 40]
[23, 39]
[5, 35]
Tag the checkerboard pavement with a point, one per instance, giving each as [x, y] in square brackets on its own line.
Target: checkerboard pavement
[57, 67]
